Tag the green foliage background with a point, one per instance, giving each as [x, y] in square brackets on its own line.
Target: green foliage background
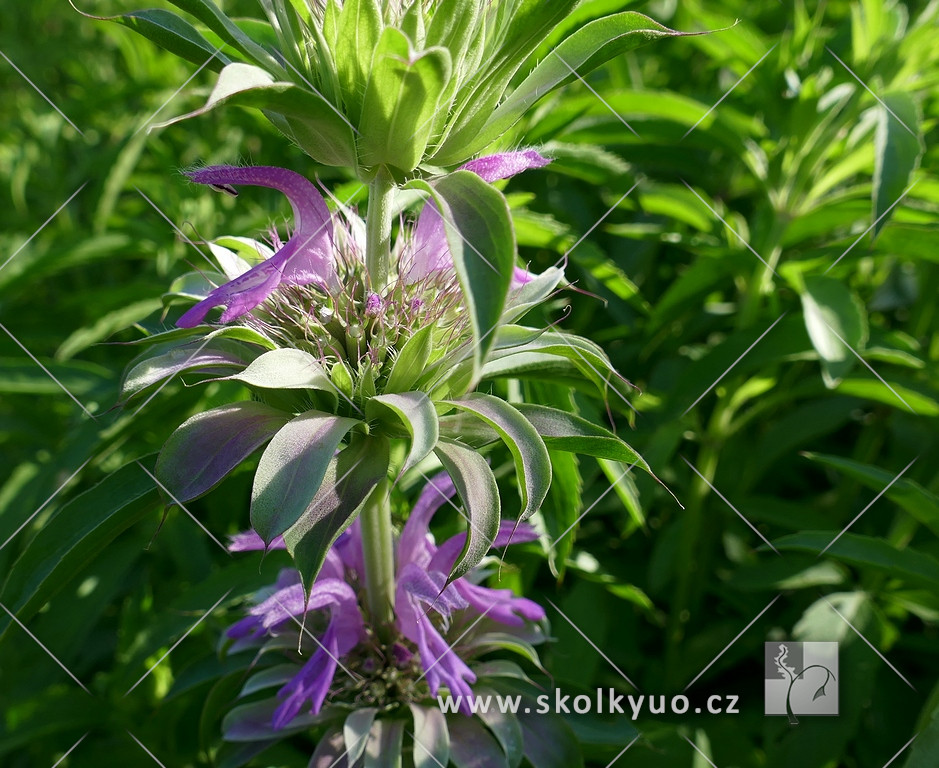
[724, 238]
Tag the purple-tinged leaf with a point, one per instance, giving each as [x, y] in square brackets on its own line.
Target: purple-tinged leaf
[431, 737]
[476, 486]
[549, 742]
[355, 731]
[419, 417]
[504, 726]
[330, 751]
[291, 469]
[253, 722]
[472, 746]
[210, 445]
[285, 369]
[532, 462]
[348, 480]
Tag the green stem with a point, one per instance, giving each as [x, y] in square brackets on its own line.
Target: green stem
[378, 551]
[378, 229]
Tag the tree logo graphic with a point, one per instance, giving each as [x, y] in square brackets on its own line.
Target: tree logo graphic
[800, 679]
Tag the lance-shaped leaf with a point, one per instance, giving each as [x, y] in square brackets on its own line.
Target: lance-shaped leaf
[291, 469]
[532, 462]
[417, 413]
[481, 239]
[504, 726]
[585, 50]
[836, 323]
[207, 447]
[472, 745]
[348, 480]
[355, 732]
[565, 431]
[411, 360]
[358, 28]
[211, 15]
[898, 148]
[476, 486]
[173, 34]
[404, 89]
[246, 85]
[285, 369]
[431, 737]
[212, 356]
[383, 749]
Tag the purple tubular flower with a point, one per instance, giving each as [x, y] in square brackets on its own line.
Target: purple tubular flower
[430, 251]
[306, 258]
[425, 607]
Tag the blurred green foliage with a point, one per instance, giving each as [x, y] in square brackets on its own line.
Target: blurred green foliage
[738, 255]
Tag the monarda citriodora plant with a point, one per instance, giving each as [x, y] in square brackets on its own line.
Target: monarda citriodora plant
[369, 357]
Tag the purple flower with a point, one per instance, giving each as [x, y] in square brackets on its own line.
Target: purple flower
[309, 256]
[426, 608]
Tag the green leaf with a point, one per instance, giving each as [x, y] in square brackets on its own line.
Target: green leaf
[504, 726]
[173, 34]
[482, 242]
[549, 741]
[898, 148]
[563, 431]
[418, 415]
[532, 463]
[910, 495]
[210, 15]
[285, 369]
[291, 469]
[384, 744]
[476, 486]
[73, 537]
[355, 732]
[835, 320]
[348, 480]
[585, 50]
[411, 360]
[207, 447]
[562, 507]
[359, 28]
[401, 101]
[472, 745]
[431, 737]
[248, 86]
[867, 551]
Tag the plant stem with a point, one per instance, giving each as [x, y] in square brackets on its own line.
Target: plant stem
[377, 543]
[378, 229]
[378, 552]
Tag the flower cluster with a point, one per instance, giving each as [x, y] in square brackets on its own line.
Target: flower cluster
[438, 626]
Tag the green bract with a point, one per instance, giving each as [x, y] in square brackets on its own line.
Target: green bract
[402, 85]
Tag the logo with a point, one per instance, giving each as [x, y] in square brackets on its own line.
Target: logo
[800, 679]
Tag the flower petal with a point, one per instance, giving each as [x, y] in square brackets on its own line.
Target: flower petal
[414, 546]
[306, 258]
[505, 164]
[311, 683]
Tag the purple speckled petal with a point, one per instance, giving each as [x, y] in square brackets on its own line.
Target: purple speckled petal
[504, 164]
[306, 258]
